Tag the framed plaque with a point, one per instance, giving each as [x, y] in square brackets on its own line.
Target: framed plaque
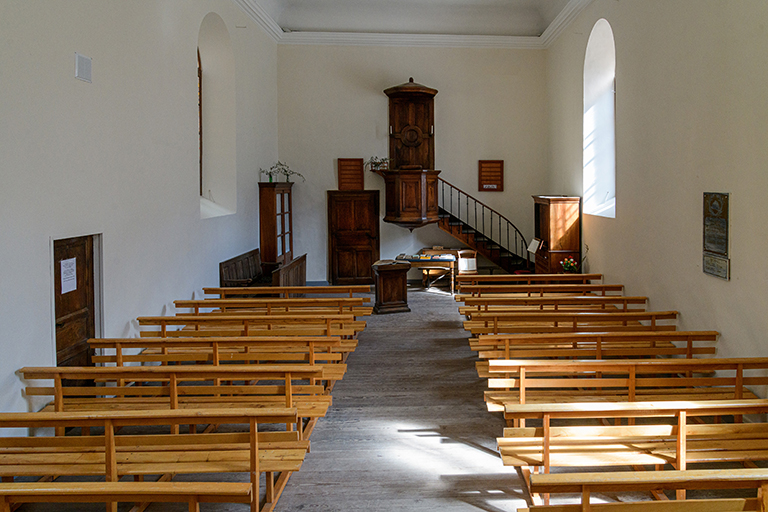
[715, 260]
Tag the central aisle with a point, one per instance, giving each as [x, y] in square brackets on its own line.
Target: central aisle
[408, 429]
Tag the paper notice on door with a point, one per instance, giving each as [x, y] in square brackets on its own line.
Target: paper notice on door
[68, 275]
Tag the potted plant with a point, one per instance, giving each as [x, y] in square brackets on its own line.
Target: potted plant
[281, 168]
[376, 164]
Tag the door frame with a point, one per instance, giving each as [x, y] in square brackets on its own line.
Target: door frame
[98, 289]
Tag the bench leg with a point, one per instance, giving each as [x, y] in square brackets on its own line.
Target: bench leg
[194, 506]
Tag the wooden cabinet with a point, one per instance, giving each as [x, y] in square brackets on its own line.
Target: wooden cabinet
[557, 223]
[411, 181]
[275, 224]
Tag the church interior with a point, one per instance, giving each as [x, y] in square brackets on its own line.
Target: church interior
[138, 139]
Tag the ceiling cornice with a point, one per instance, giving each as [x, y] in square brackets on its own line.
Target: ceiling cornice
[424, 40]
[566, 16]
[257, 13]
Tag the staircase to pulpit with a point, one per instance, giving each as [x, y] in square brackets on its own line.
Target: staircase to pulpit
[482, 228]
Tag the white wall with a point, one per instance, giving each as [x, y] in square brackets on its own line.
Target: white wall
[117, 157]
[491, 104]
[692, 114]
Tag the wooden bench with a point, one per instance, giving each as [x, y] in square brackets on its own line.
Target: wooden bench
[112, 456]
[541, 290]
[667, 438]
[243, 270]
[193, 493]
[279, 305]
[647, 380]
[186, 387]
[566, 303]
[586, 345]
[244, 349]
[476, 279]
[253, 325]
[565, 321]
[586, 484]
[293, 273]
[287, 291]
[317, 350]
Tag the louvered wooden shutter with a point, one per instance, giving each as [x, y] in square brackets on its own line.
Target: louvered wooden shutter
[351, 174]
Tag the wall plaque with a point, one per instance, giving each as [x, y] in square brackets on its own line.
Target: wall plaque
[490, 175]
[715, 241]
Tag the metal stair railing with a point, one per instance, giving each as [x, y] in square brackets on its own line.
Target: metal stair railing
[483, 219]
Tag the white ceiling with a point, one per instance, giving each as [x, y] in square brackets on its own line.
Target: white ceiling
[522, 23]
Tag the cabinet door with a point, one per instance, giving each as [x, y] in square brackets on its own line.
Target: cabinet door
[353, 231]
[411, 143]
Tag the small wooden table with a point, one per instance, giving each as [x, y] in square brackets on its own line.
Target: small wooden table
[391, 280]
[446, 265]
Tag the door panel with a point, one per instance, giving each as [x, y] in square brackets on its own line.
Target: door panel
[75, 317]
[353, 235]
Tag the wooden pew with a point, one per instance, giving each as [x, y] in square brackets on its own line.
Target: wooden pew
[567, 303]
[474, 279]
[587, 345]
[565, 321]
[287, 291]
[541, 290]
[193, 493]
[253, 325]
[314, 350]
[268, 306]
[655, 443]
[585, 484]
[186, 388]
[113, 456]
[647, 380]
[214, 350]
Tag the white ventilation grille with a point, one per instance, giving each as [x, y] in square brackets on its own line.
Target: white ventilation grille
[83, 68]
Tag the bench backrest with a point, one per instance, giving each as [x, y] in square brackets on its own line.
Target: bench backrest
[528, 279]
[243, 268]
[539, 289]
[167, 383]
[214, 350]
[627, 378]
[287, 291]
[598, 345]
[564, 321]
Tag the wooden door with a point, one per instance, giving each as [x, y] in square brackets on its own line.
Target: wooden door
[353, 235]
[74, 289]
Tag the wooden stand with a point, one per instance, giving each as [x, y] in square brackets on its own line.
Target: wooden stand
[391, 287]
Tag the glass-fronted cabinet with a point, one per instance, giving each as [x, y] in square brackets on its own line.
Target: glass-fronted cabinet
[275, 223]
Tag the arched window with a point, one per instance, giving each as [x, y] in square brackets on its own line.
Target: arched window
[216, 79]
[600, 122]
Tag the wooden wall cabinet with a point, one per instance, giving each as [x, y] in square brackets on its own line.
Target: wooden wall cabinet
[557, 223]
[411, 181]
[275, 224]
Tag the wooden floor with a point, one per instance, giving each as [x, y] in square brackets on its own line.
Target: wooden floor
[408, 429]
